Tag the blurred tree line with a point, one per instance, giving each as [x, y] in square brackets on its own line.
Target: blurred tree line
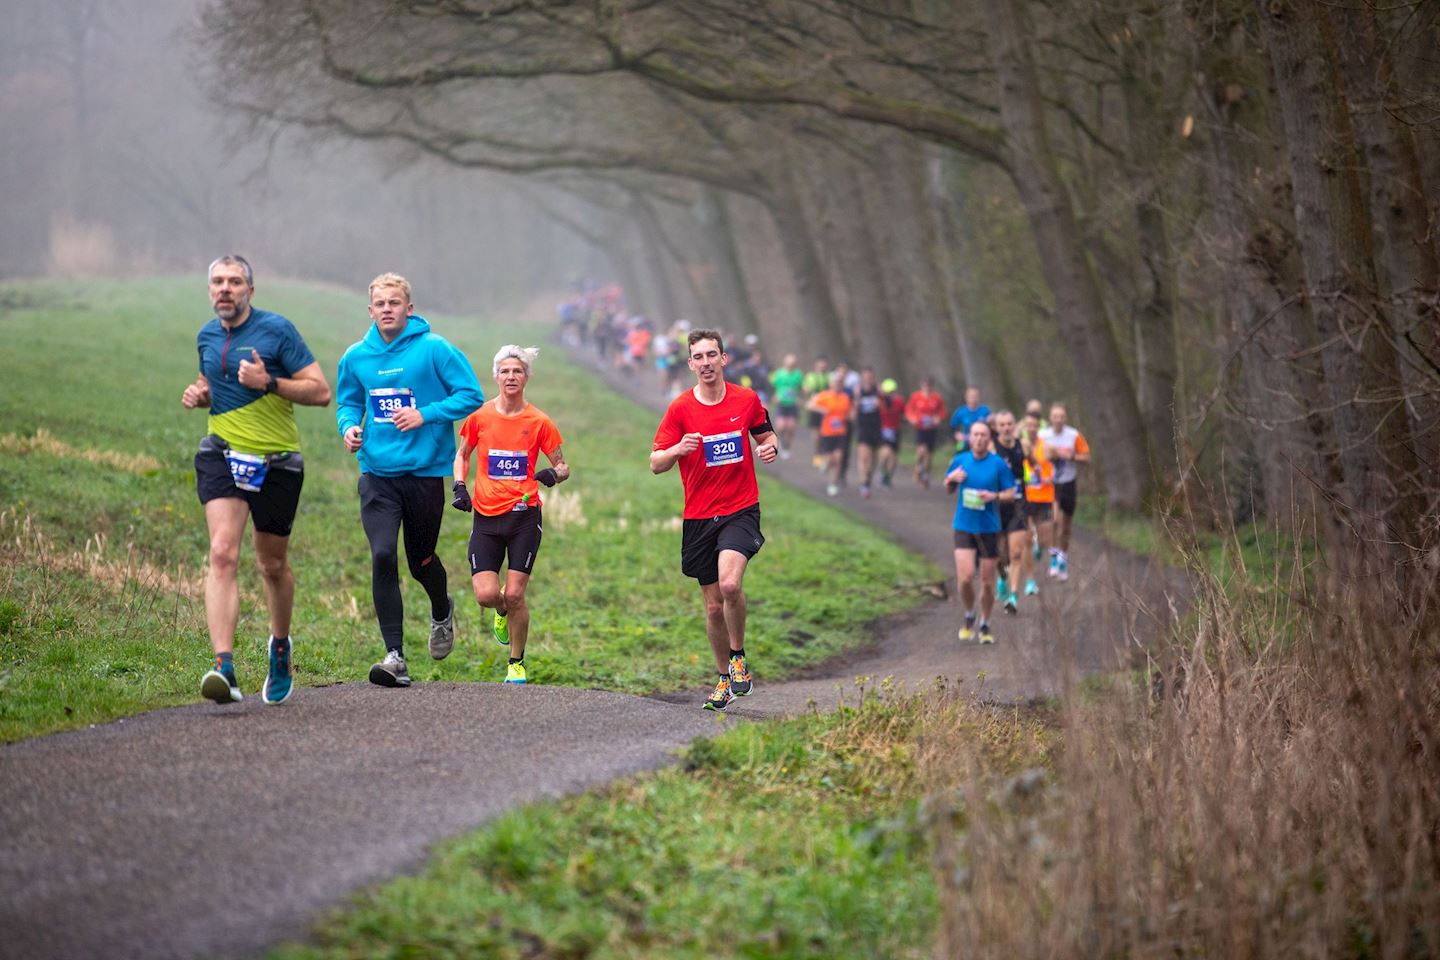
[115, 161]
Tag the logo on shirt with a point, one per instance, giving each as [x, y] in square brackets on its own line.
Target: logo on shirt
[391, 372]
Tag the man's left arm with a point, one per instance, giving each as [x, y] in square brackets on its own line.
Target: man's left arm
[463, 395]
[767, 446]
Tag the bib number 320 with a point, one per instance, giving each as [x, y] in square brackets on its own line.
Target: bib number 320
[723, 448]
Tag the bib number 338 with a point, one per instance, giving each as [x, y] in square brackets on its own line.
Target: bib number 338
[385, 402]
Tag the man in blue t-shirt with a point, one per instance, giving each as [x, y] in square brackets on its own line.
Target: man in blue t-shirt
[967, 415]
[984, 481]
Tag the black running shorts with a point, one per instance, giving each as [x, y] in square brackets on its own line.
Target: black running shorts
[702, 540]
[868, 434]
[273, 506]
[1012, 518]
[516, 533]
[1065, 498]
[987, 545]
[787, 411]
[926, 438]
[890, 438]
[831, 444]
[1040, 512]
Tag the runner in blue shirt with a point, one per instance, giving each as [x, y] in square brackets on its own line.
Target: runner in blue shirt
[967, 415]
[984, 481]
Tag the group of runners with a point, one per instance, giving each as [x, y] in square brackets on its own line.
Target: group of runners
[400, 391]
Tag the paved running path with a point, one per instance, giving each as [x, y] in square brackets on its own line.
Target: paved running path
[219, 831]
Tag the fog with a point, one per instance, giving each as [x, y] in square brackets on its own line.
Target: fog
[115, 161]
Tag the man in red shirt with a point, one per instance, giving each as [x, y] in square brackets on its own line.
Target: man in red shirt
[708, 431]
[925, 410]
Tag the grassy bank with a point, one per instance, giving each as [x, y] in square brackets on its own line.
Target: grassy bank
[102, 542]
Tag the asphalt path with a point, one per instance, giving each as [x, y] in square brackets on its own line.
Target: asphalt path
[220, 831]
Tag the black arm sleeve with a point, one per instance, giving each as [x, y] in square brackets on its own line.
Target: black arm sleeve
[759, 430]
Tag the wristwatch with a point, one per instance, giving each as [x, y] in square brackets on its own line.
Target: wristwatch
[272, 385]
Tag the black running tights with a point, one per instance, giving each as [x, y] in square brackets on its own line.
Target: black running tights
[418, 505]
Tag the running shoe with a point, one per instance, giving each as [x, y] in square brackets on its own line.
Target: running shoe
[832, 491]
[390, 672]
[442, 635]
[722, 696]
[985, 635]
[1012, 603]
[1035, 546]
[865, 490]
[740, 684]
[221, 686]
[1031, 587]
[502, 629]
[515, 673]
[1054, 565]
[278, 682]
[967, 632]
[1000, 587]
[886, 482]
[1062, 571]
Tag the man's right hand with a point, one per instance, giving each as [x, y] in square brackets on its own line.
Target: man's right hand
[196, 394]
[462, 497]
[354, 438]
[688, 444]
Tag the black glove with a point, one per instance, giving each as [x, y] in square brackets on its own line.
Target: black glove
[462, 496]
[546, 476]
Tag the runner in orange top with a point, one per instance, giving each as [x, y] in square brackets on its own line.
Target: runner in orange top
[836, 411]
[924, 410]
[510, 434]
[1039, 491]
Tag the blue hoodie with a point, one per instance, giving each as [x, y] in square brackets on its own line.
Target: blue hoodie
[419, 369]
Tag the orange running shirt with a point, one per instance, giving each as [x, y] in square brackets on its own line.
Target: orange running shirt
[835, 412]
[1040, 485]
[507, 449]
[925, 412]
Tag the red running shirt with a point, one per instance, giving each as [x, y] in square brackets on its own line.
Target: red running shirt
[719, 476]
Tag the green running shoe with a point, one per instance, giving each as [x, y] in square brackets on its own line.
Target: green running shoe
[502, 629]
[515, 673]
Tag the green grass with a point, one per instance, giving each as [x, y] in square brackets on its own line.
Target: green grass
[803, 838]
[89, 631]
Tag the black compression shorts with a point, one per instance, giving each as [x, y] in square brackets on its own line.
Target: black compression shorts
[1012, 518]
[987, 545]
[516, 533]
[1065, 498]
[926, 438]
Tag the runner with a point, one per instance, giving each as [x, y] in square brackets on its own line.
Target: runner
[892, 415]
[512, 433]
[867, 426]
[788, 381]
[816, 381]
[1067, 448]
[397, 393]
[1029, 427]
[836, 411]
[1039, 493]
[1014, 558]
[708, 431]
[254, 366]
[923, 410]
[967, 414]
[984, 481]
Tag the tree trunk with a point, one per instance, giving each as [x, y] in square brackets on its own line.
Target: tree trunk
[812, 287]
[713, 212]
[1333, 225]
[660, 299]
[1117, 429]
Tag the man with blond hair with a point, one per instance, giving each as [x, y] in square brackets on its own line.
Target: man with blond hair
[254, 367]
[397, 393]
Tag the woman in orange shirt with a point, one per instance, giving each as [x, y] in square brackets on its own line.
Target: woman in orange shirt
[836, 411]
[510, 434]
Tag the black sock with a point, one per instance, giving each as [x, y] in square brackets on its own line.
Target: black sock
[281, 642]
[738, 653]
[223, 660]
[514, 660]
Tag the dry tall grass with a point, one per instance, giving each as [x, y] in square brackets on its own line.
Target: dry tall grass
[1277, 795]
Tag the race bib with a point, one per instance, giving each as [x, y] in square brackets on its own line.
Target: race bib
[247, 469]
[385, 402]
[888, 434]
[836, 424]
[509, 464]
[970, 497]
[723, 448]
[926, 422]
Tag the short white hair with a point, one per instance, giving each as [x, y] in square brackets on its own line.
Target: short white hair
[525, 355]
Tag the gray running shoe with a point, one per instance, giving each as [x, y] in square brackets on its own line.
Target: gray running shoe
[390, 672]
[442, 635]
[221, 686]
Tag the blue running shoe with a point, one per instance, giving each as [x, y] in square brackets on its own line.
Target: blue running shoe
[278, 682]
[221, 686]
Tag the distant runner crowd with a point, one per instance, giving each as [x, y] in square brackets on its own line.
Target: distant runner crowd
[1014, 477]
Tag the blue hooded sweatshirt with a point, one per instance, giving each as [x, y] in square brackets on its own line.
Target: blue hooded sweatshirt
[417, 369]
